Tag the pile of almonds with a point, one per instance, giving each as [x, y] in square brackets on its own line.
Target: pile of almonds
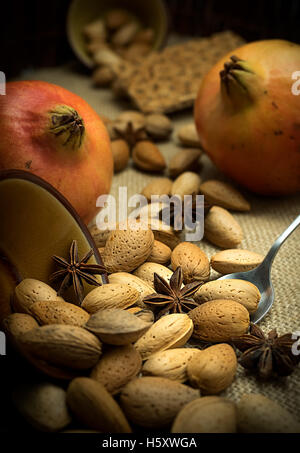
[124, 367]
[134, 134]
[118, 36]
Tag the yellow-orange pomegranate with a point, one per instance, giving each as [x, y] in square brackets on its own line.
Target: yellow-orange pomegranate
[49, 131]
[248, 116]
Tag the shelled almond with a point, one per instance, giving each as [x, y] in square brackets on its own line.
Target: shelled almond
[192, 260]
[222, 229]
[237, 290]
[146, 272]
[63, 345]
[111, 295]
[117, 367]
[126, 249]
[171, 364]
[235, 260]
[58, 312]
[213, 369]
[223, 194]
[219, 321]
[154, 402]
[116, 327]
[161, 253]
[171, 331]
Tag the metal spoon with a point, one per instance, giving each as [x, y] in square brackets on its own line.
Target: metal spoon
[261, 275]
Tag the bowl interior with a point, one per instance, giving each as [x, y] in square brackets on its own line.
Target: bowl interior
[36, 223]
[151, 13]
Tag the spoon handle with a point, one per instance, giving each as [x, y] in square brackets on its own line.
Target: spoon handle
[278, 243]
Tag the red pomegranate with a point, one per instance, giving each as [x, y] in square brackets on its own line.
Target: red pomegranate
[47, 130]
[248, 117]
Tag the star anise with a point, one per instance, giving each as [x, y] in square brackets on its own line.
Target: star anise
[131, 133]
[188, 211]
[267, 355]
[177, 299]
[73, 272]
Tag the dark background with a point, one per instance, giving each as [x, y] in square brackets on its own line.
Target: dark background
[33, 34]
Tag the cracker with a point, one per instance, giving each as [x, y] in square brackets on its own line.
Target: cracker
[169, 81]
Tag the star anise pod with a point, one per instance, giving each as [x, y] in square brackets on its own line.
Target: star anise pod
[184, 211]
[177, 299]
[131, 133]
[267, 355]
[73, 272]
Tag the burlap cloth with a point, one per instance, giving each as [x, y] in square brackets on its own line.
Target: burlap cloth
[267, 220]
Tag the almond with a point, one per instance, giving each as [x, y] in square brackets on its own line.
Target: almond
[171, 364]
[223, 194]
[29, 291]
[121, 153]
[116, 327]
[146, 272]
[94, 407]
[158, 126]
[142, 313]
[63, 345]
[221, 228]
[95, 30]
[103, 76]
[94, 46]
[240, 291]
[185, 160]
[158, 187]
[143, 288]
[192, 260]
[170, 331]
[132, 116]
[111, 295]
[107, 57]
[117, 367]
[136, 51]
[235, 260]
[148, 157]
[125, 250]
[99, 236]
[188, 136]
[161, 253]
[146, 35]
[165, 234]
[58, 312]
[125, 34]
[210, 414]
[213, 369]
[43, 405]
[153, 402]
[18, 323]
[258, 414]
[187, 183]
[219, 321]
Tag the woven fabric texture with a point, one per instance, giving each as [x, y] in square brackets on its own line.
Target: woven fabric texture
[267, 220]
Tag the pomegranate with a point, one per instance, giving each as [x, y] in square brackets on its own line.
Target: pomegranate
[49, 131]
[248, 118]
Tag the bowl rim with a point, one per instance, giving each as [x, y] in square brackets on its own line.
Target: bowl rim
[31, 177]
[84, 58]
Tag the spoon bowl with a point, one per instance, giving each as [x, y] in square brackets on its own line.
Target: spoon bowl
[261, 275]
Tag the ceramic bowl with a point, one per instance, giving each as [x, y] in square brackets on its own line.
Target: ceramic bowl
[151, 13]
[36, 223]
